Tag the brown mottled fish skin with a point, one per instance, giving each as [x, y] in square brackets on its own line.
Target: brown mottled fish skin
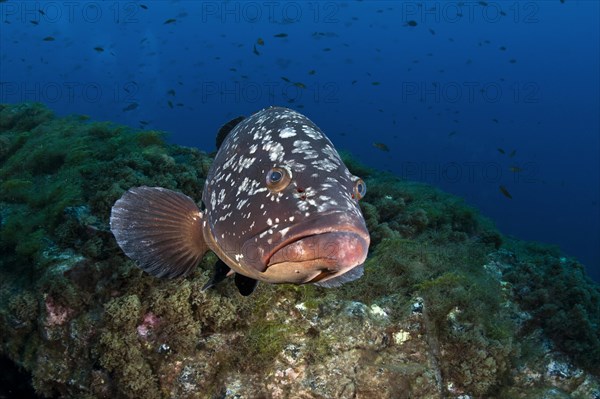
[311, 231]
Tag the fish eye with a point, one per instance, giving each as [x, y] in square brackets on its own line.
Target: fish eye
[275, 176]
[277, 179]
[360, 189]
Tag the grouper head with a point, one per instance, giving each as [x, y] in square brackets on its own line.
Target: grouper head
[280, 203]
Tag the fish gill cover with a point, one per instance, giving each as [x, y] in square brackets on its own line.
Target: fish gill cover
[447, 306]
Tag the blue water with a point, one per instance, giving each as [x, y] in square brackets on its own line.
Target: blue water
[441, 90]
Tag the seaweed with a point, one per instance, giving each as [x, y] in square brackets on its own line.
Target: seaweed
[561, 299]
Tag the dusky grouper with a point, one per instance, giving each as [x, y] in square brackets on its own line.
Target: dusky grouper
[280, 206]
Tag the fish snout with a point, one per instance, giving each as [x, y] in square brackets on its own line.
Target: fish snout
[319, 257]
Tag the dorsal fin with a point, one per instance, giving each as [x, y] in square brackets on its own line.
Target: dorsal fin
[226, 128]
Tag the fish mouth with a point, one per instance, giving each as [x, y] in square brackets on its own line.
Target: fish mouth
[315, 250]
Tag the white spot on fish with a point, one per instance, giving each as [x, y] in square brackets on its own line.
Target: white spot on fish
[312, 133]
[275, 150]
[324, 164]
[221, 196]
[241, 203]
[287, 133]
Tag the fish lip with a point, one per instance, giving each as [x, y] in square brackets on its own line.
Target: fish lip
[302, 231]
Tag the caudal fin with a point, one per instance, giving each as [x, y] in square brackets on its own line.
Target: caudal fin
[160, 229]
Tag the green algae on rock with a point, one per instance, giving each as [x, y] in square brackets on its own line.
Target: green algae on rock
[448, 307]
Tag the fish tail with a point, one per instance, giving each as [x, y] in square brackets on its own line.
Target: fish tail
[160, 229]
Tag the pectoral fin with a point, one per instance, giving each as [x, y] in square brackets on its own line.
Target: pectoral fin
[160, 229]
[245, 285]
[221, 271]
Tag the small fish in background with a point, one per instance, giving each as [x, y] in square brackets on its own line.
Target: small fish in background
[171, 92]
[143, 6]
[260, 41]
[264, 213]
[501, 151]
[130, 107]
[512, 154]
[170, 104]
[515, 169]
[300, 85]
[505, 192]
[169, 21]
[285, 79]
[99, 49]
[312, 72]
[48, 39]
[280, 35]
[411, 23]
[254, 50]
[382, 147]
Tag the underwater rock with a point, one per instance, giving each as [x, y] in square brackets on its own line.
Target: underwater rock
[448, 307]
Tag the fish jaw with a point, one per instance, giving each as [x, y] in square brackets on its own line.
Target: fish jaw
[315, 250]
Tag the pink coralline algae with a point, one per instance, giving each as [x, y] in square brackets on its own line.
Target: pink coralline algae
[57, 315]
[149, 323]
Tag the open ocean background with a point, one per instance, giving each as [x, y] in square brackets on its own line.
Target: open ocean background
[467, 96]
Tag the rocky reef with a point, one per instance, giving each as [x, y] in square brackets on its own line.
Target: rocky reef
[448, 306]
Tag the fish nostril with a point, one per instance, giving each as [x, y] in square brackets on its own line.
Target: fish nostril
[299, 190]
[303, 197]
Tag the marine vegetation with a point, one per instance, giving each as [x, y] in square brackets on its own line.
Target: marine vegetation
[447, 307]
